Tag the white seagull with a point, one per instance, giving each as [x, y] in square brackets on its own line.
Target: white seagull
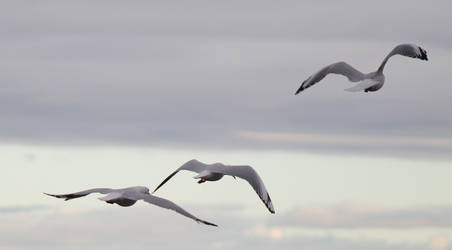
[368, 82]
[215, 171]
[126, 197]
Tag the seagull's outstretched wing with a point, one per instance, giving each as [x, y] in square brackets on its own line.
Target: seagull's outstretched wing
[410, 50]
[166, 204]
[341, 68]
[250, 175]
[82, 193]
[192, 165]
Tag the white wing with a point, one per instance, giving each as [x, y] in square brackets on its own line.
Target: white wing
[193, 165]
[362, 85]
[82, 193]
[250, 175]
[341, 68]
[166, 204]
[410, 50]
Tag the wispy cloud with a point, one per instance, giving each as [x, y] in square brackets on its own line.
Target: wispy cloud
[364, 215]
[148, 227]
[373, 144]
[22, 209]
[348, 140]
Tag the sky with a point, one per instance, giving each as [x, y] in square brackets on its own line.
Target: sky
[117, 94]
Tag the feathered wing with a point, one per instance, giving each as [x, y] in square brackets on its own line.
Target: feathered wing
[341, 68]
[192, 165]
[410, 50]
[82, 193]
[164, 203]
[250, 175]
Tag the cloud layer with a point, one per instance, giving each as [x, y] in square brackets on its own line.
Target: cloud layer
[145, 226]
[363, 215]
[164, 74]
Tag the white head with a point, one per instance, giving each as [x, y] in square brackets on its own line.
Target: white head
[141, 189]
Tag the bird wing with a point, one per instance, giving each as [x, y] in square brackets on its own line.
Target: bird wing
[82, 193]
[192, 165]
[250, 175]
[362, 85]
[155, 200]
[410, 50]
[341, 68]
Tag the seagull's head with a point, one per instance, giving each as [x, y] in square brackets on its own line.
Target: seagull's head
[143, 190]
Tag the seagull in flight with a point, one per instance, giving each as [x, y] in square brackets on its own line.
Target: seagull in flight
[126, 197]
[216, 171]
[366, 82]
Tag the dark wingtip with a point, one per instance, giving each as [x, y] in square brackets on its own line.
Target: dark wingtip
[53, 195]
[164, 181]
[270, 208]
[208, 223]
[423, 54]
[268, 203]
[59, 196]
[302, 87]
[298, 91]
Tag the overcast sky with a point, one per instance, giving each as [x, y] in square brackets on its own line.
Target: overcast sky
[136, 88]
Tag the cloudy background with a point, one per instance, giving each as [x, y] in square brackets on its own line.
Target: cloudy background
[115, 94]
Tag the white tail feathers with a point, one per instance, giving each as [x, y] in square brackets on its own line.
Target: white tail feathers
[362, 85]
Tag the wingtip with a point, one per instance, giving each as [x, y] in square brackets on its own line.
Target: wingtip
[207, 223]
[302, 87]
[299, 90]
[423, 55]
[57, 196]
[271, 209]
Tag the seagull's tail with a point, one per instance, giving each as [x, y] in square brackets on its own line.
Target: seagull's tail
[362, 85]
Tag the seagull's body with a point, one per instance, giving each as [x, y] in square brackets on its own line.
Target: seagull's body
[366, 82]
[216, 171]
[126, 197]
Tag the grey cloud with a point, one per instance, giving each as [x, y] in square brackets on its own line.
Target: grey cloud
[361, 215]
[144, 227]
[243, 19]
[22, 209]
[157, 73]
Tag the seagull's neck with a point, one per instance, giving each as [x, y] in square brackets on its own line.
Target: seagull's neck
[382, 65]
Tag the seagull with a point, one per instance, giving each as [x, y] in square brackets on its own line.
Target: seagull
[366, 82]
[126, 197]
[215, 171]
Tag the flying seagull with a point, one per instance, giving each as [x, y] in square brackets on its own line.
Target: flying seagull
[366, 82]
[126, 197]
[215, 171]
